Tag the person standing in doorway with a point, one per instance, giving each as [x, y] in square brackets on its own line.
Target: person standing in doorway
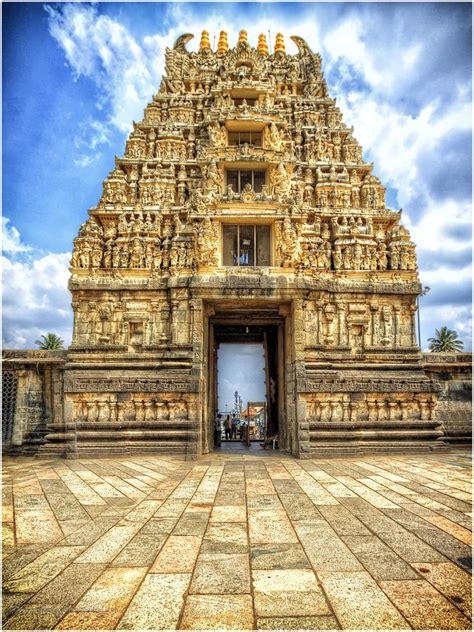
[218, 431]
[228, 428]
[235, 425]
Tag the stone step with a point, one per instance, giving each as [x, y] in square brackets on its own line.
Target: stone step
[122, 449]
[371, 447]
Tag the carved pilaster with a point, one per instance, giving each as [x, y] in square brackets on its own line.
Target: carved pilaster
[397, 334]
[342, 327]
[373, 324]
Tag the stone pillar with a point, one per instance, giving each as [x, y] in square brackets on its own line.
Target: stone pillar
[404, 407]
[164, 321]
[319, 311]
[154, 315]
[120, 411]
[397, 331]
[91, 411]
[424, 410]
[180, 319]
[70, 428]
[345, 411]
[148, 411]
[113, 406]
[412, 310]
[21, 412]
[75, 329]
[102, 414]
[380, 410]
[308, 323]
[371, 406]
[342, 331]
[392, 410]
[353, 412]
[199, 414]
[373, 324]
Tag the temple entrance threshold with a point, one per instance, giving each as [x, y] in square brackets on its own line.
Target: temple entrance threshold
[234, 337]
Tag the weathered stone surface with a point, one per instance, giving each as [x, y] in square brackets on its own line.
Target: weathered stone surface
[423, 606]
[286, 593]
[218, 612]
[359, 603]
[157, 604]
[221, 573]
[150, 578]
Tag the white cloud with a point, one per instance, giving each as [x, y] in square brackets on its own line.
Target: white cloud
[349, 52]
[35, 295]
[11, 241]
[86, 159]
[102, 49]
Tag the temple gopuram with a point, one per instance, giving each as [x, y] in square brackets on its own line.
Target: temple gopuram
[243, 210]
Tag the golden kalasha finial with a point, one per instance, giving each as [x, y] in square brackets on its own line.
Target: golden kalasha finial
[262, 45]
[279, 43]
[223, 45]
[243, 37]
[205, 42]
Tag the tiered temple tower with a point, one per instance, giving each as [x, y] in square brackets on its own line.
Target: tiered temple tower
[243, 206]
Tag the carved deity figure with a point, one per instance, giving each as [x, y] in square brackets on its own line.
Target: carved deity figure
[274, 139]
[330, 324]
[289, 242]
[281, 182]
[213, 184]
[386, 326]
[206, 243]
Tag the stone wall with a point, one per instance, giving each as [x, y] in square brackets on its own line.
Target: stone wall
[454, 372]
[33, 396]
[34, 420]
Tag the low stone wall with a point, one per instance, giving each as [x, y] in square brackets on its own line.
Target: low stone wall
[454, 372]
[33, 397]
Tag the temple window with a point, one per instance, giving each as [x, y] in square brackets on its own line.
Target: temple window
[238, 178]
[251, 138]
[246, 245]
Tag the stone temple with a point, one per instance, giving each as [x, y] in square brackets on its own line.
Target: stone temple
[242, 210]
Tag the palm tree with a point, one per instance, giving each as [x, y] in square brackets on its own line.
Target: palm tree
[50, 341]
[445, 340]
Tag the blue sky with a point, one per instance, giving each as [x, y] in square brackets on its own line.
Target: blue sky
[240, 367]
[76, 75]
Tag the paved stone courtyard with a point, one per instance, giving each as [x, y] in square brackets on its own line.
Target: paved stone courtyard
[238, 541]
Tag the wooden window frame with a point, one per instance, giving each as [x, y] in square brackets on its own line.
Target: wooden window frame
[257, 133]
[240, 171]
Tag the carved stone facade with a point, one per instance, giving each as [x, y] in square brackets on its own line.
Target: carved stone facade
[242, 197]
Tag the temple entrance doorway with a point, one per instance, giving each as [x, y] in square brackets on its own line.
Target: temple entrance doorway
[246, 384]
[241, 392]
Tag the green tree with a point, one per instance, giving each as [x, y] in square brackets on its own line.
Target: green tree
[445, 340]
[50, 341]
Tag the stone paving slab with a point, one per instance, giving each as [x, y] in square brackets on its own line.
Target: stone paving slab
[238, 542]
